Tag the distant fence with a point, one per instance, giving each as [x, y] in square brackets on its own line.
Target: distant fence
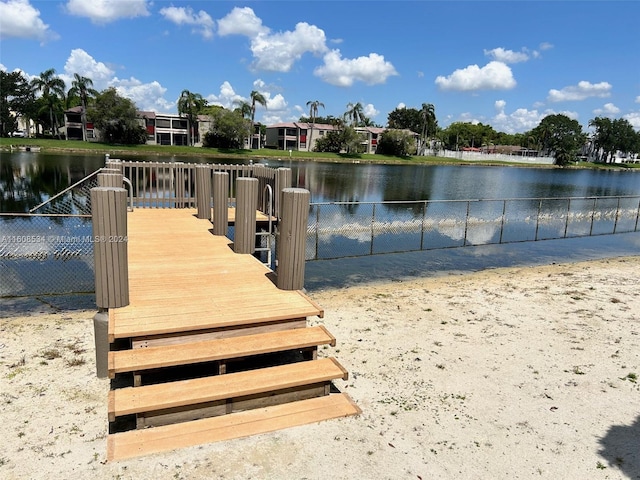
[350, 229]
[488, 157]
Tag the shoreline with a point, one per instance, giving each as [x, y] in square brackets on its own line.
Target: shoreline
[500, 373]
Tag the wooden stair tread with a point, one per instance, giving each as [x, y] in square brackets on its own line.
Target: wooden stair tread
[173, 315]
[227, 427]
[130, 400]
[141, 359]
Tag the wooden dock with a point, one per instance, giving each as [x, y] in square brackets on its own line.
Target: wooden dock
[209, 348]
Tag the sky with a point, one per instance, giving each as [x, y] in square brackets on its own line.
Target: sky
[506, 64]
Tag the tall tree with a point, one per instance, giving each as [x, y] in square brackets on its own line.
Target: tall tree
[428, 124]
[52, 88]
[116, 119]
[256, 97]
[191, 104]
[611, 136]
[313, 113]
[82, 87]
[16, 97]
[355, 113]
[564, 137]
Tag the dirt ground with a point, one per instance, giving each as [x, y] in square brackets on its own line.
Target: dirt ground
[524, 372]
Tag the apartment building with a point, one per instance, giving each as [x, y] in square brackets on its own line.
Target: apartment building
[296, 135]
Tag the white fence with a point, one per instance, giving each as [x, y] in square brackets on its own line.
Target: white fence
[487, 157]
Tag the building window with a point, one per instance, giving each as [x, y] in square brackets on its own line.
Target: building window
[164, 139]
[179, 124]
[163, 123]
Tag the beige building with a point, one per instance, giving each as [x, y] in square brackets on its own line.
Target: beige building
[296, 135]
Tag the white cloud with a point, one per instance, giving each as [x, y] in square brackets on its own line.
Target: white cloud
[19, 19]
[202, 22]
[241, 21]
[343, 72]
[506, 56]
[279, 51]
[522, 119]
[545, 46]
[401, 105]
[227, 97]
[83, 64]
[105, 11]
[608, 109]
[493, 76]
[634, 119]
[370, 111]
[638, 99]
[146, 96]
[581, 91]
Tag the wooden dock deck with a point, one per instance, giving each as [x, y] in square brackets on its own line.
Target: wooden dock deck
[194, 304]
[183, 278]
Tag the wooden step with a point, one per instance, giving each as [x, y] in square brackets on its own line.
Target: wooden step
[149, 398]
[237, 425]
[141, 359]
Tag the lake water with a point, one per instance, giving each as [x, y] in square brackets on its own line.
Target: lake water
[27, 178]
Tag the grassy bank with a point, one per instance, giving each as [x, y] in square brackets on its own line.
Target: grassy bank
[74, 146]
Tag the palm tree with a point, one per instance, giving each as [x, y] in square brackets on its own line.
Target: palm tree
[191, 104]
[354, 113]
[52, 88]
[313, 113]
[256, 97]
[83, 88]
[428, 121]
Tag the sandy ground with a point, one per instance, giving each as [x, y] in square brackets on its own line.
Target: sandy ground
[527, 372]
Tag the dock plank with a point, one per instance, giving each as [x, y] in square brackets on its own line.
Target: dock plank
[184, 278]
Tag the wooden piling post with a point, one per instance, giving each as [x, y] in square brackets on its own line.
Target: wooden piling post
[109, 227]
[109, 179]
[220, 203]
[244, 239]
[283, 180]
[292, 239]
[203, 191]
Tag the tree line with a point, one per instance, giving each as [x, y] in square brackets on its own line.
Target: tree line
[409, 131]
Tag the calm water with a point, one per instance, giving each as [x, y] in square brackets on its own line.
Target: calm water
[26, 179]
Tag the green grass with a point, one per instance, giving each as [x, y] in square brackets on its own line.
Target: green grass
[76, 146]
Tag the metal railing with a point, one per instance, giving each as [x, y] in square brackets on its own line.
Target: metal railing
[350, 229]
[172, 185]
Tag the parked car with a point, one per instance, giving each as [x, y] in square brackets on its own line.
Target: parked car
[19, 133]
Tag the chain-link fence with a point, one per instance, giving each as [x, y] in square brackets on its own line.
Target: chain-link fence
[50, 249]
[52, 253]
[350, 229]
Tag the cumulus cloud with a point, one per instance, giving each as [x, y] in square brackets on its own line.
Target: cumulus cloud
[634, 119]
[241, 21]
[370, 111]
[146, 96]
[638, 99]
[493, 76]
[201, 22]
[521, 119]
[19, 19]
[608, 109]
[343, 72]
[227, 97]
[401, 105]
[278, 52]
[275, 52]
[581, 91]
[83, 64]
[506, 56]
[105, 11]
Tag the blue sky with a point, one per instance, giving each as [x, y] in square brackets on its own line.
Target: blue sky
[507, 64]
